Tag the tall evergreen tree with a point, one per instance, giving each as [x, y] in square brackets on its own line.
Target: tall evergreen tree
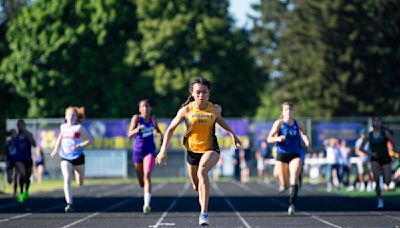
[267, 28]
[185, 39]
[11, 103]
[331, 53]
[363, 40]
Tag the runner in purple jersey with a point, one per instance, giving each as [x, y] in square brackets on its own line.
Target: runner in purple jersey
[144, 149]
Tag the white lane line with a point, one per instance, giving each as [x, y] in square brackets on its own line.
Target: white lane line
[118, 190]
[306, 213]
[63, 205]
[156, 188]
[159, 222]
[321, 220]
[30, 213]
[230, 204]
[347, 206]
[392, 217]
[97, 213]
[357, 208]
[382, 214]
[246, 188]
[91, 189]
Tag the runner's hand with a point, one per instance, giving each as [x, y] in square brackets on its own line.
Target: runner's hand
[161, 158]
[374, 154]
[282, 138]
[237, 142]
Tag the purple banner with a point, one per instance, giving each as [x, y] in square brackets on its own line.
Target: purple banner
[239, 126]
[107, 128]
[261, 131]
[112, 134]
[339, 130]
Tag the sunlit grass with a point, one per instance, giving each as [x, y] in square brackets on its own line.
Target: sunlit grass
[50, 185]
[392, 196]
[57, 184]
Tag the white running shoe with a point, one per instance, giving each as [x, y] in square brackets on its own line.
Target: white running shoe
[203, 219]
[329, 187]
[146, 209]
[291, 210]
[373, 185]
[370, 186]
[281, 189]
[68, 208]
[392, 185]
[380, 203]
[362, 187]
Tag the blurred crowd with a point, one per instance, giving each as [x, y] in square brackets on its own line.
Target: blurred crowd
[338, 164]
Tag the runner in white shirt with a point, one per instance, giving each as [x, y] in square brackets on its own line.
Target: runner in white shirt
[72, 139]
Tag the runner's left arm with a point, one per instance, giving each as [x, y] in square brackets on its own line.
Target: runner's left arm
[225, 126]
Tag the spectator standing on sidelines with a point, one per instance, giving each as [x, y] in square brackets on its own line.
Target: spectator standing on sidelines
[236, 163]
[261, 156]
[363, 163]
[345, 165]
[332, 163]
[38, 164]
[244, 158]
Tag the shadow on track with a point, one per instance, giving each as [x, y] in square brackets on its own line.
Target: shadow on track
[190, 204]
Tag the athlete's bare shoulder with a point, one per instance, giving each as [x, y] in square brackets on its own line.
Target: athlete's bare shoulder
[134, 121]
[217, 108]
[135, 116]
[278, 123]
[183, 111]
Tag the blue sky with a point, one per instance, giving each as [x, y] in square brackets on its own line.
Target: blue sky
[239, 9]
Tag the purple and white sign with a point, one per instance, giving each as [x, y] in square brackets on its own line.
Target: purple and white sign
[339, 130]
[112, 134]
[261, 131]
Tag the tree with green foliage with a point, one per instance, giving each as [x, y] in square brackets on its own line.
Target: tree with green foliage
[184, 39]
[72, 53]
[108, 55]
[266, 32]
[10, 8]
[336, 58]
[11, 103]
[363, 54]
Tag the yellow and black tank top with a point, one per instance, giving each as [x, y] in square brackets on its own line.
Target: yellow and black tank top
[200, 135]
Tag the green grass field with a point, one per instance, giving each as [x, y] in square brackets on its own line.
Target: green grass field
[392, 196]
[49, 185]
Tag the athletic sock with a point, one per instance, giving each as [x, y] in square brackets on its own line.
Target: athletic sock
[147, 198]
[293, 194]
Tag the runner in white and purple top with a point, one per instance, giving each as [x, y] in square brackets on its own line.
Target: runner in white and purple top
[144, 149]
[70, 142]
[144, 141]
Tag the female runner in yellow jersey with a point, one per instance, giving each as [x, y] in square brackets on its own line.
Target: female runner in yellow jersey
[203, 153]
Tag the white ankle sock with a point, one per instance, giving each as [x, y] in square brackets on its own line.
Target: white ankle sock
[147, 198]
